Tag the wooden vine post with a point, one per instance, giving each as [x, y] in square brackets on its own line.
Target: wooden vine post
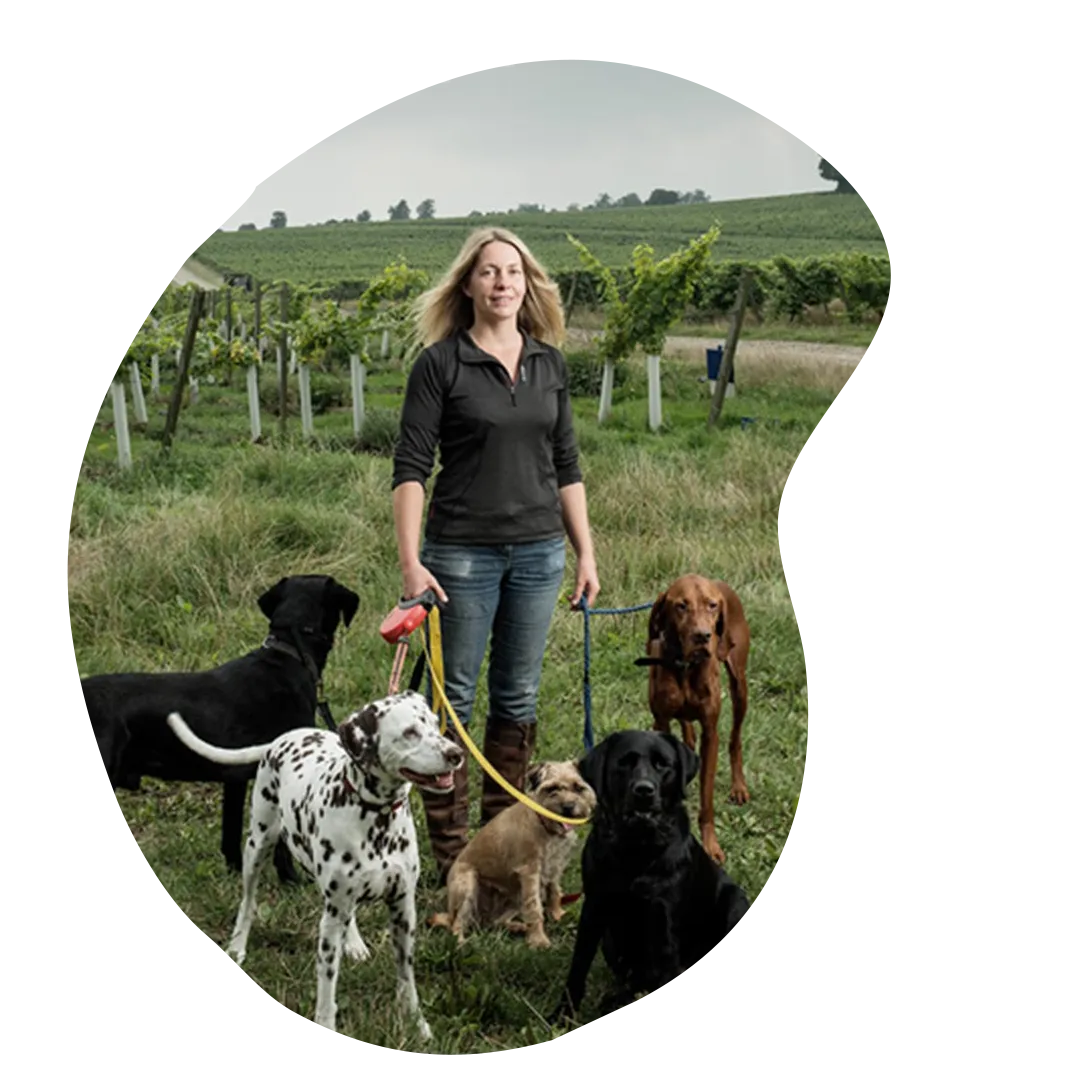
[195, 311]
[283, 373]
[727, 361]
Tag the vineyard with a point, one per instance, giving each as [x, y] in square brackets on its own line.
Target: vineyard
[752, 230]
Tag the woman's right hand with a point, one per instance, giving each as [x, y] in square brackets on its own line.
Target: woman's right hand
[418, 578]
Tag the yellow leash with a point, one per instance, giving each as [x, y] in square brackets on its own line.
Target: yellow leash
[444, 708]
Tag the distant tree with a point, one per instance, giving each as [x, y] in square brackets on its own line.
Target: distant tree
[426, 210]
[828, 172]
[529, 208]
[248, 226]
[695, 196]
[401, 212]
[574, 207]
[603, 202]
[277, 219]
[662, 197]
[475, 213]
[630, 199]
[364, 215]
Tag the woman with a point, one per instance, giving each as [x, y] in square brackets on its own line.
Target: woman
[489, 393]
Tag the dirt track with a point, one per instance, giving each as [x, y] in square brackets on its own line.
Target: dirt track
[788, 352]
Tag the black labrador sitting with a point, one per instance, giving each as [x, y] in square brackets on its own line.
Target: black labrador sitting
[654, 900]
[247, 701]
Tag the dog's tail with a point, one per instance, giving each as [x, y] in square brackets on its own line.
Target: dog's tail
[246, 755]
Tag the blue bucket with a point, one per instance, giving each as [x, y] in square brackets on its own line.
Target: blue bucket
[713, 359]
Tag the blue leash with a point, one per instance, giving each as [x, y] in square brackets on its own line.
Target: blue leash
[583, 607]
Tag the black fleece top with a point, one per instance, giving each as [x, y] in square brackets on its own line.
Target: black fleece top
[505, 449]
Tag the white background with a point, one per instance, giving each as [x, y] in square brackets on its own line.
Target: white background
[102, 189]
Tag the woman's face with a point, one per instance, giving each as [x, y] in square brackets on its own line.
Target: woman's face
[496, 285]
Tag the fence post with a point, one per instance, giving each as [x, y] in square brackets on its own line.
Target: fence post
[120, 424]
[138, 401]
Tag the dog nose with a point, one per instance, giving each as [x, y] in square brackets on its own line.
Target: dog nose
[701, 637]
[643, 789]
[455, 755]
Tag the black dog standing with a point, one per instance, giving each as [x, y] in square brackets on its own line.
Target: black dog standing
[654, 900]
[250, 700]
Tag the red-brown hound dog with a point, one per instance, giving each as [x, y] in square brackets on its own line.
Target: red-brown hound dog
[695, 626]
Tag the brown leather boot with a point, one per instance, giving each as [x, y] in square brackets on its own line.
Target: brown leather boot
[448, 817]
[508, 747]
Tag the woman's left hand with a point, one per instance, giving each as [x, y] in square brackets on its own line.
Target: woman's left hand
[587, 581]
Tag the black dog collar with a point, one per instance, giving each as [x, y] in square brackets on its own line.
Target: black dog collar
[296, 653]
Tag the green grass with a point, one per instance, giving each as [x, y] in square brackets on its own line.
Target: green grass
[794, 225]
[167, 560]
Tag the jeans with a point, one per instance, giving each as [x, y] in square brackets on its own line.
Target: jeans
[508, 593]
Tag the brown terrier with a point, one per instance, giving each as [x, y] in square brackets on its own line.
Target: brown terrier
[511, 870]
[695, 626]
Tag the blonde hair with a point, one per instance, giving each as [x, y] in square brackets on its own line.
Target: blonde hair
[445, 309]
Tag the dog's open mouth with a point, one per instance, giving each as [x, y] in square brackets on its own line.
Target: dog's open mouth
[435, 781]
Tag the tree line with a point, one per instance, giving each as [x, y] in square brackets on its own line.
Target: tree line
[425, 210]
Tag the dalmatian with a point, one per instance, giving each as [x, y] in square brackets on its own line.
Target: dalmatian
[340, 800]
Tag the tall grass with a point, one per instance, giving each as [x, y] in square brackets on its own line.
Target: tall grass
[167, 560]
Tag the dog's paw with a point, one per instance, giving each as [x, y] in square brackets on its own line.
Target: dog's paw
[713, 849]
[555, 914]
[538, 941]
[237, 954]
[740, 794]
[423, 1029]
[357, 950]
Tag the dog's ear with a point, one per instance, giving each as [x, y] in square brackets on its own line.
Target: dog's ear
[535, 776]
[722, 643]
[368, 720]
[358, 729]
[345, 600]
[270, 599]
[591, 767]
[658, 617]
[689, 762]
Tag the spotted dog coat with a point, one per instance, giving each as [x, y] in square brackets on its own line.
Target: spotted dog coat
[340, 802]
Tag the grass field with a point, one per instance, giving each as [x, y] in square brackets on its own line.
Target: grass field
[166, 562]
[792, 225]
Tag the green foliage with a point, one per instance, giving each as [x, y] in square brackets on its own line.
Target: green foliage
[387, 304]
[657, 295]
[584, 370]
[278, 219]
[829, 172]
[154, 336]
[399, 212]
[755, 230]
[864, 283]
[320, 331]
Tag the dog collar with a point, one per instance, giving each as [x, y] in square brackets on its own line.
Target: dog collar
[659, 661]
[380, 808]
[296, 653]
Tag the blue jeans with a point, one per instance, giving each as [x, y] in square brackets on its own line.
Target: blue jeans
[508, 593]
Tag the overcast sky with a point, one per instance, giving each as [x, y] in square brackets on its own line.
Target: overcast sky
[553, 133]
